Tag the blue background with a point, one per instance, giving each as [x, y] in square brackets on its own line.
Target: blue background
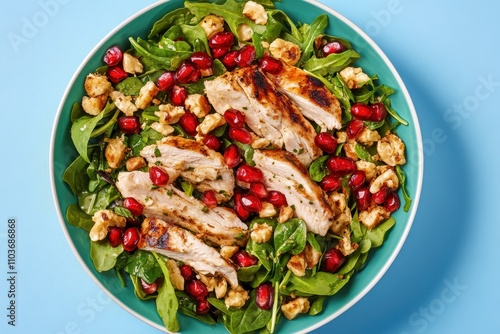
[445, 279]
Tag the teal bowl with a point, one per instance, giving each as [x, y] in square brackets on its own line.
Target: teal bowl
[373, 60]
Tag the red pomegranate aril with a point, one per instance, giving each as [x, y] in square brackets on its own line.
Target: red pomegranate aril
[326, 142]
[330, 183]
[219, 53]
[241, 135]
[259, 189]
[380, 196]
[356, 180]
[264, 296]
[220, 40]
[189, 122]
[340, 166]
[202, 306]
[130, 239]
[245, 56]
[212, 142]
[149, 288]
[333, 47]
[132, 205]
[379, 112]
[113, 56]
[363, 198]
[178, 95]
[251, 202]
[244, 259]
[332, 260]
[196, 289]
[270, 65]
[187, 272]
[392, 202]
[202, 60]
[240, 210]
[232, 156]
[209, 199]
[116, 74]
[129, 124]
[115, 235]
[354, 128]
[186, 73]
[166, 81]
[249, 174]
[277, 198]
[234, 118]
[229, 59]
[361, 111]
[158, 176]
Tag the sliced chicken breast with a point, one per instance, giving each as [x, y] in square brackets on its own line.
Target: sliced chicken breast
[314, 100]
[269, 113]
[178, 244]
[196, 163]
[282, 172]
[219, 225]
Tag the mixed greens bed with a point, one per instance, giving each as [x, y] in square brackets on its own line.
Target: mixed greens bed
[119, 116]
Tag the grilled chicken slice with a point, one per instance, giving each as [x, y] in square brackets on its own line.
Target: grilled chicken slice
[269, 113]
[196, 163]
[282, 172]
[314, 100]
[178, 244]
[219, 225]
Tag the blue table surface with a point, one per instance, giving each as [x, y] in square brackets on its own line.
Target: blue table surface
[445, 279]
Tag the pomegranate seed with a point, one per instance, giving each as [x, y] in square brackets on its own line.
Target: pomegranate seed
[354, 128]
[277, 198]
[270, 65]
[330, 183]
[229, 59]
[196, 289]
[326, 142]
[149, 288]
[186, 72]
[234, 118]
[208, 198]
[249, 174]
[244, 259]
[356, 180]
[340, 166]
[380, 196]
[129, 124]
[378, 112]
[202, 60]
[361, 111]
[158, 176]
[219, 53]
[222, 39]
[132, 205]
[116, 74]
[130, 238]
[264, 296]
[166, 81]
[333, 47]
[332, 260]
[189, 122]
[241, 135]
[251, 202]
[363, 198]
[187, 272]
[392, 202]
[178, 95]
[202, 306]
[239, 209]
[232, 156]
[245, 56]
[259, 189]
[212, 142]
[113, 56]
[115, 235]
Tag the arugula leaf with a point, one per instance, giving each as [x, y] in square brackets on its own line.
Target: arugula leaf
[332, 63]
[166, 302]
[402, 181]
[309, 33]
[178, 16]
[362, 153]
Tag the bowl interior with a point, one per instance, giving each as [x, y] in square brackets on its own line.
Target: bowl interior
[372, 60]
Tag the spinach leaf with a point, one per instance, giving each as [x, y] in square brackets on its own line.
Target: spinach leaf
[76, 217]
[130, 86]
[377, 234]
[103, 255]
[178, 16]
[188, 307]
[321, 284]
[76, 176]
[249, 318]
[139, 292]
[317, 305]
[76, 111]
[317, 169]
[290, 237]
[154, 58]
[91, 202]
[143, 265]
[332, 63]
[166, 302]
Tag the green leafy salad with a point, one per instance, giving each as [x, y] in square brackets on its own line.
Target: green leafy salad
[235, 166]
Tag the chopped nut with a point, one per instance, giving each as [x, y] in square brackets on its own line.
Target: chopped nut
[341, 137]
[391, 150]
[104, 219]
[368, 137]
[286, 213]
[227, 252]
[209, 281]
[115, 152]
[293, 308]
[123, 102]
[349, 149]
[210, 123]
[258, 142]
[175, 275]
[164, 129]
[387, 179]
[297, 265]
[261, 233]
[146, 95]
[311, 256]
[169, 114]
[346, 247]
[212, 24]
[245, 33]
[94, 105]
[236, 297]
[131, 64]
[220, 288]
[97, 84]
[135, 163]
[198, 104]
[267, 210]
[374, 217]
[286, 51]
[368, 168]
[255, 12]
[354, 77]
